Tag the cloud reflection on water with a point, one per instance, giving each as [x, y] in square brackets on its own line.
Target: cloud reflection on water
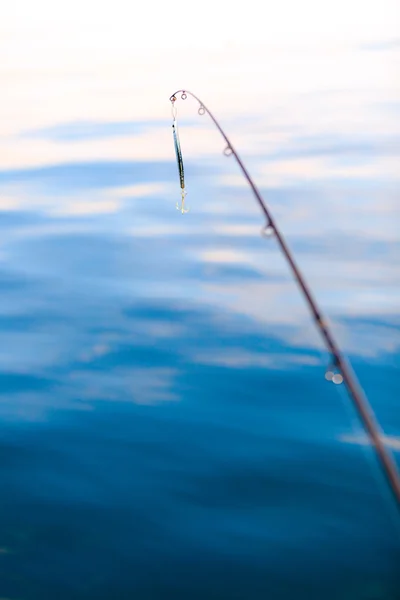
[167, 429]
[187, 339]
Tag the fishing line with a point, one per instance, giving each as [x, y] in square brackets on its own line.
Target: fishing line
[341, 371]
[359, 437]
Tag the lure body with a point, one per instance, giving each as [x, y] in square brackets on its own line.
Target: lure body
[178, 153]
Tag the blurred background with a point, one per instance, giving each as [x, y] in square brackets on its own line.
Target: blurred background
[166, 428]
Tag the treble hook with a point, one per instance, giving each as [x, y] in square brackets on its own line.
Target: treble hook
[181, 207]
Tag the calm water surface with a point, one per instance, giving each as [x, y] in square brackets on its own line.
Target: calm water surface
[167, 431]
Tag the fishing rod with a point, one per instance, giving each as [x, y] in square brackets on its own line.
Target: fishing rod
[340, 371]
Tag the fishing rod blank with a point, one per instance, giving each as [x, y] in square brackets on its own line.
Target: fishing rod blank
[340, 370]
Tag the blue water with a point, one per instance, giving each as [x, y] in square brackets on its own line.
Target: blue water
[166, 428]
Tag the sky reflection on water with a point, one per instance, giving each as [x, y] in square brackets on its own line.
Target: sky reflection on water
[167, 430]
[166, 416]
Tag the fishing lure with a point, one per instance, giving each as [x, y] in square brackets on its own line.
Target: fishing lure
[179, 160]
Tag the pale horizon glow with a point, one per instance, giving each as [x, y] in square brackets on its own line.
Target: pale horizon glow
[298, 70]
[107, 60]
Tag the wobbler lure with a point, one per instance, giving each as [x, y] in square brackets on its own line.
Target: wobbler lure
[179, 160]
